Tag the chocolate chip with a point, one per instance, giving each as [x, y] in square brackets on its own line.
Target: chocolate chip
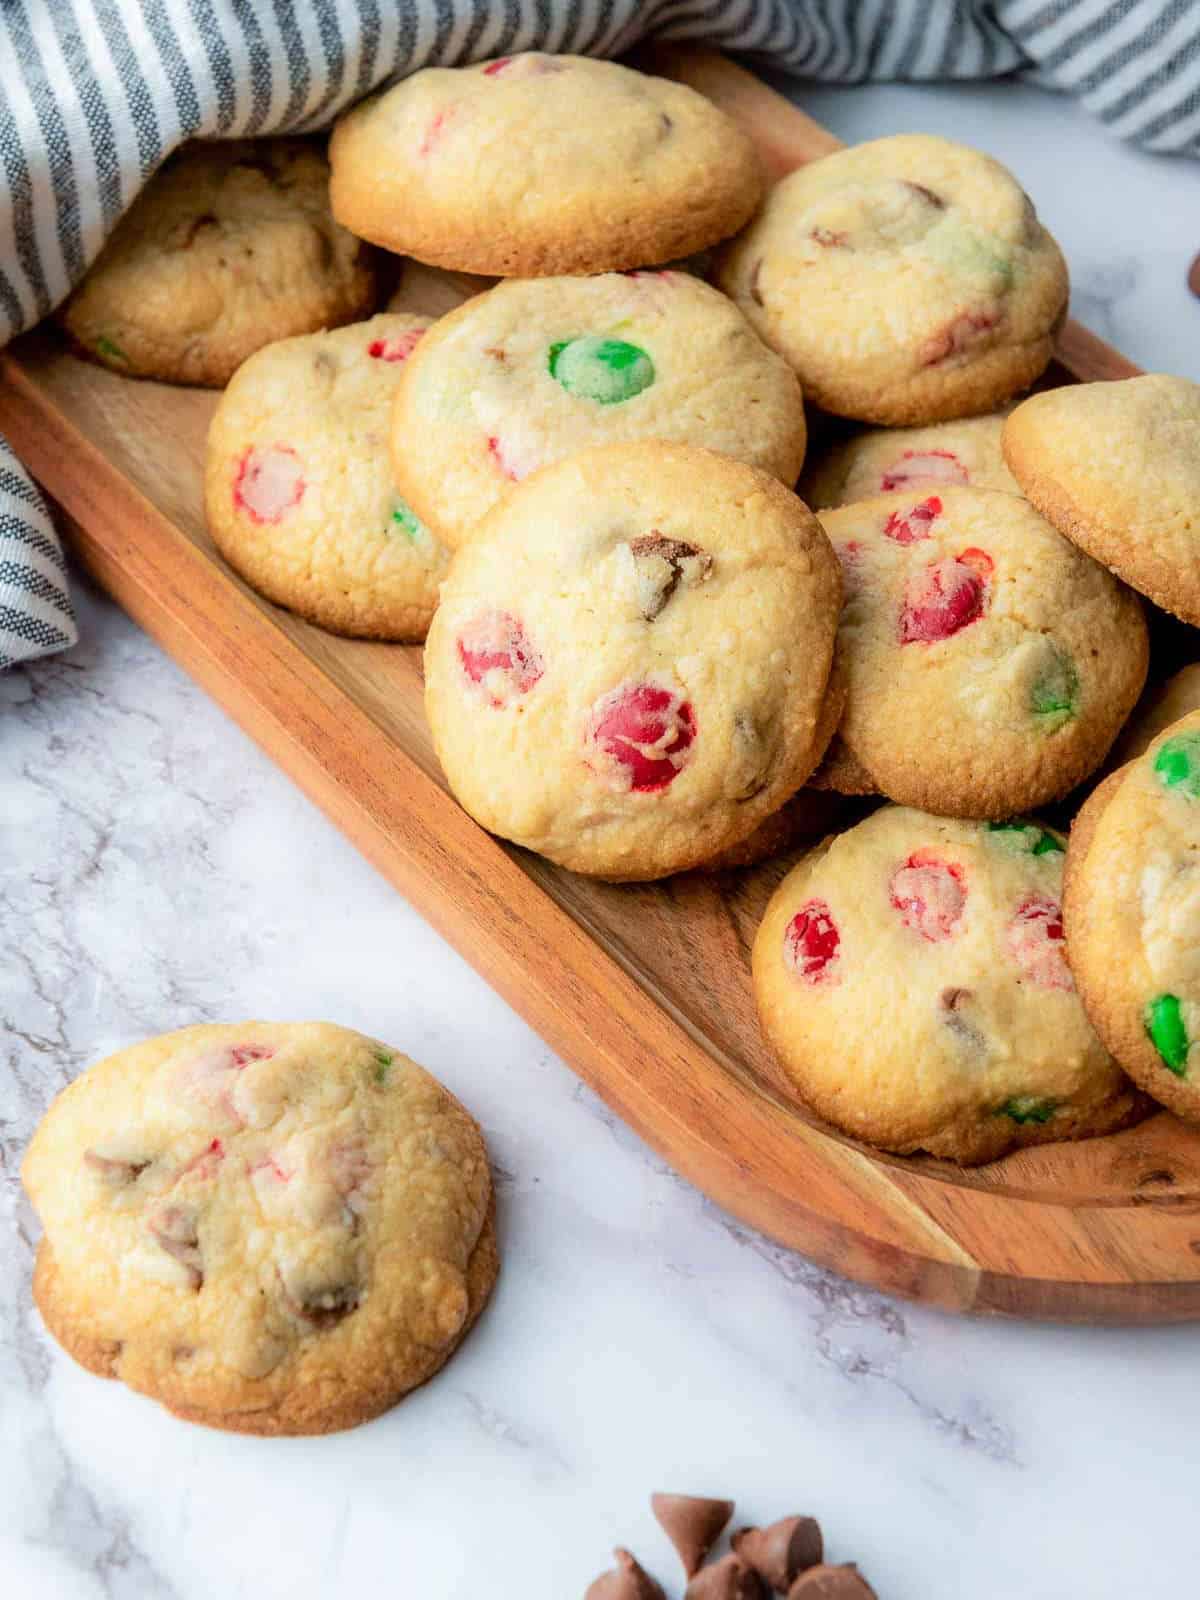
[727, 1579]
[327, 1306]
[832, 1583]
[197, 225]
[1193, 278]
[628, 1581]
[782, 1551]
[951, 1003]
[928, 194]
[692, 1523]
[174, 1229]
[661, 565]
[751, 763]
[115, 1170]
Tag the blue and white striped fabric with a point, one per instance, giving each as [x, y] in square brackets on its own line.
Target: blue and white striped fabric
[94, 94]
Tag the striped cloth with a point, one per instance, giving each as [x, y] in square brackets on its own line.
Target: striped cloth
[95, 93]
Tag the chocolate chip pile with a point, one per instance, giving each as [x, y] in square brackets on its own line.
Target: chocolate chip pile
[787, 1558]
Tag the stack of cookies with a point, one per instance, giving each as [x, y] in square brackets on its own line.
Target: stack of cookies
[645, 653]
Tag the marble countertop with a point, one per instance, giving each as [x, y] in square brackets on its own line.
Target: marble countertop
[156, 869]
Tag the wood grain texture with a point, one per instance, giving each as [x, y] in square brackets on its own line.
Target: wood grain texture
[643, 990]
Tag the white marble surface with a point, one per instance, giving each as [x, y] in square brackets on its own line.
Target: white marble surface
[155, 869]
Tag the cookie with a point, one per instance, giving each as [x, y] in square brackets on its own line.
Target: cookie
[990, 663]
[911, 976]
[908, 280]
[629, 666]
[298, 490]
[229, 246]
[275, 1228]
[1160, 706]
[534, 165]
[880, 460]
[1116, 468]
[537, 369]
[1132, 911]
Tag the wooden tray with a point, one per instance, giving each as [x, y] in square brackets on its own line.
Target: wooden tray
[644, 991]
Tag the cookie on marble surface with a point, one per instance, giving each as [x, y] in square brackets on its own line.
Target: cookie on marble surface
[299, 492]
[536, 369]
[1132, 911]
[1160, 706]
[990, 663]
[908, 281]
[951, 933]
[629, 667]
[880, 460]
[274, 1228]
[534, 165]
[1116, 468]
[230, 245]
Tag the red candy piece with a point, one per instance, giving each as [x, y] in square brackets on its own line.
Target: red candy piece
[958, 334]
[919, 466]
[508, 461]
[433, 133]
[930, 895]
[1035, 942]
[204, 1166]
[644, 732]
[268, 482]
[397, 349]
[498, 656]
[535, 66]
[271, 1165]
[244, 1054]
[946, 597]
[850, 557]
[906, 527]
[811, 943]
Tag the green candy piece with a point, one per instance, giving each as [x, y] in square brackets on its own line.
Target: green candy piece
[383, 1063]
[972, 254]
[1028, 1108]
[1178, 764]
[1036, 840]
[1054, 698]
[105, 347]
[605, 370]
[411, 526]
[1164, 1024]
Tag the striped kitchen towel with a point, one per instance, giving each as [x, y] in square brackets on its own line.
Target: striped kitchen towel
[95, 93]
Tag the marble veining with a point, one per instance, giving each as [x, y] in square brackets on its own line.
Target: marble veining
[156, 869]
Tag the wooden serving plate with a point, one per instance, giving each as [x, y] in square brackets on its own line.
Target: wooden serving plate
[645, 990]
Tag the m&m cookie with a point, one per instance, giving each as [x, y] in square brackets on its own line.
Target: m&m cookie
[536, 164]
[989, 662]
[911, 976]
[229, 246]
[882, 460]
[1116, 468]
[534, 370]
[298, 490]
[273, 1228]
[908, 280]
[629, 668]
[1133, 915]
